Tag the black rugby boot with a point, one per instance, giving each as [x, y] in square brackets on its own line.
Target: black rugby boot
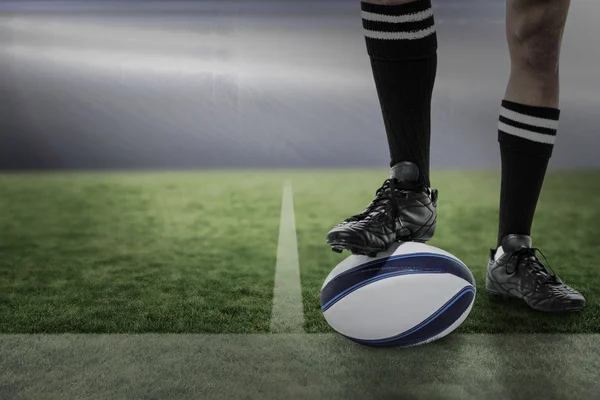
[514, 271]
[402, 210]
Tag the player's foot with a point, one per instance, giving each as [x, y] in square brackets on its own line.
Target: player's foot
[402, 210]
[514, 271]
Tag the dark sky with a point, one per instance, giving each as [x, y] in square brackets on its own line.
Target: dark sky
[263, 84]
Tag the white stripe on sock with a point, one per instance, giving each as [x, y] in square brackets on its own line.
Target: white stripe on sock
[528, 119]
[400, 35]
[397, 19]
[522, 133]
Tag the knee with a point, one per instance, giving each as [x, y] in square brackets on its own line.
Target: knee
[535, 39]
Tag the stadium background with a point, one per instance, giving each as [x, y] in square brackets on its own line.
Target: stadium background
[100, 84]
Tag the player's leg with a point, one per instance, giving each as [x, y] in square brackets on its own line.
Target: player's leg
[401, 43]
[527, 131]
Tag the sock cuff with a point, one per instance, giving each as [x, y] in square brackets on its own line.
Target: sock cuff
[400, 31]
[528, 129]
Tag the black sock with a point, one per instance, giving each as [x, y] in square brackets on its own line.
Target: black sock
[526, 135]
[402, 44]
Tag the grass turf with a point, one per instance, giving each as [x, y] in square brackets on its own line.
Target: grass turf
[301, 366]
[138, 252]
[195, 251]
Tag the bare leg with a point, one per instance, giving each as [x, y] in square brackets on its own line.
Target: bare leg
[527, 130]
[534, 30]
[529, 116]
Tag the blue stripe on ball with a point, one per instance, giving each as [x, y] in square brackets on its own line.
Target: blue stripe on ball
[374, 279]
[405, 264]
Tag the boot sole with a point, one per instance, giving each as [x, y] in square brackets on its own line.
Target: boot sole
[340, 246]
[505, 297]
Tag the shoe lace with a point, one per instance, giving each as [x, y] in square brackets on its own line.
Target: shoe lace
[386, 195]
[534, 266]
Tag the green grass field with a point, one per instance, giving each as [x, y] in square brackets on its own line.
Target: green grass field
[195, 252]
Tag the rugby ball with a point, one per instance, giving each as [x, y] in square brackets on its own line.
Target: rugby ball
[411, 294]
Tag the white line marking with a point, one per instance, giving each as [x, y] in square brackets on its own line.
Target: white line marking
[288, 311]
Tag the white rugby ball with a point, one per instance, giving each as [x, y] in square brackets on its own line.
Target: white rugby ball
[411, 294]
